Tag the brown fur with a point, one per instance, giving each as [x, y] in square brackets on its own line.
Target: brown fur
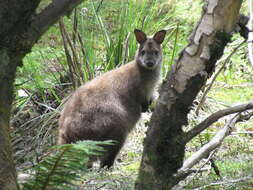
[108, 107]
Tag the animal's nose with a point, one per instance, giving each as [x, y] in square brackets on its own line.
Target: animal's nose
[150, 64]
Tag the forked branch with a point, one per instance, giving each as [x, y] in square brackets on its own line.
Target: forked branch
[215, 142]
[212, 145]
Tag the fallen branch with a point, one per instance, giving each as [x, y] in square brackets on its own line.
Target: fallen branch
[215, 142]
[212, 145]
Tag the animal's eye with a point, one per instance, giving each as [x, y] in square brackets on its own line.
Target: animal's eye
[156, 52]
[143, 52]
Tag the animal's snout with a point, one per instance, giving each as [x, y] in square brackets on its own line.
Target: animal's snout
[150, 64]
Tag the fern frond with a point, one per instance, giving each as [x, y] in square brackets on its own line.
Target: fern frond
[63, 165]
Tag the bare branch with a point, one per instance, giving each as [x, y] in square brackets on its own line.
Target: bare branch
[209, 147]
[214, 117]
[212, 145]
[49, 16]
[225, 182]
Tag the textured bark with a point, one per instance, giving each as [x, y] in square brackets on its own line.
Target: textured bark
[20, 28]
[164, 146]
[7, 167]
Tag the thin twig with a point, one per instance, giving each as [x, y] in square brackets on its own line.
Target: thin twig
[233, 133]
[68, 55]
[126, 52]
[216, 75]
[225, 182]
[47, 106]
[250, 35]
[99, 6]
[215, 168]
[206, 161]
[75, 24]
[76, 65]
[101, 186]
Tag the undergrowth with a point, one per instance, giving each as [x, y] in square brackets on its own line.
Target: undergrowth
[63, 165]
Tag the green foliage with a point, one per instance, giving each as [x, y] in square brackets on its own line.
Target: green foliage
[106, 30]
[109, 30]
[37, 75]
[63, 165]
[232, 95]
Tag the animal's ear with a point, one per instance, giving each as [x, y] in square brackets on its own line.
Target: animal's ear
[159, 36]
[140, 36]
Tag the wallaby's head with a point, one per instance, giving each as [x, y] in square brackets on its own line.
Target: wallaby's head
[149, 54]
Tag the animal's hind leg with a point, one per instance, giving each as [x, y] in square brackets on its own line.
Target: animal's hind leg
[61, 139]
[108, 159]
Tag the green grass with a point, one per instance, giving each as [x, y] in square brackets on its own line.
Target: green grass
[232, 95]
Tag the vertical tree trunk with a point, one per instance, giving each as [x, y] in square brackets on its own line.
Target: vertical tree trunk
[164, 146]
[20, 29]
[7, 75]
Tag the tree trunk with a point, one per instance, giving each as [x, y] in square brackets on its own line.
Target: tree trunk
[20, 28]
[7, 75]
[164, 146]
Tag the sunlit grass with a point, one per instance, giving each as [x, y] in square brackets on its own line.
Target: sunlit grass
[233, 95]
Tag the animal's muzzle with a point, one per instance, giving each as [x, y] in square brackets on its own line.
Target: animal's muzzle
[150, 64]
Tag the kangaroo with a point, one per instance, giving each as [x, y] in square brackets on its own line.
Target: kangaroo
[109, 106]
